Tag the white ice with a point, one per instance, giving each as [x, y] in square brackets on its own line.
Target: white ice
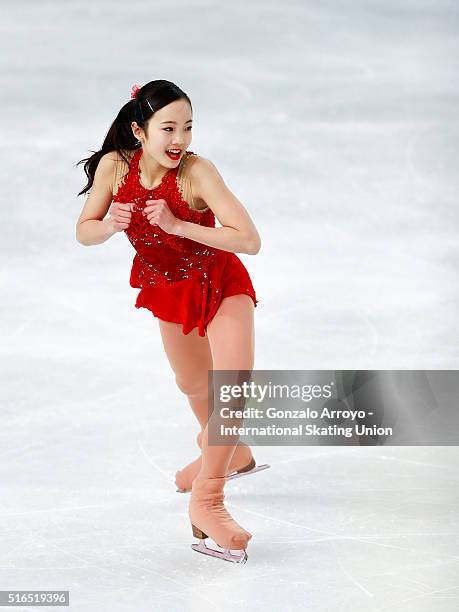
[336, 125]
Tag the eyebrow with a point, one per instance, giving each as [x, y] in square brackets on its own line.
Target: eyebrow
[189, 120]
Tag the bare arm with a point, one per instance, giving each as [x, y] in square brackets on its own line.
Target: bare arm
[92, 227]
[238, 233]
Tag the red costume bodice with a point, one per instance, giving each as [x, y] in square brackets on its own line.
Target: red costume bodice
[181, 280]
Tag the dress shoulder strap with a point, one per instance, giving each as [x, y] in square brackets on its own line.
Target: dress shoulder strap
[183, 180]
[121, 168]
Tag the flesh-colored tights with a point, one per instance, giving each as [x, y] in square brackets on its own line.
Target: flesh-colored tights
[229, 344]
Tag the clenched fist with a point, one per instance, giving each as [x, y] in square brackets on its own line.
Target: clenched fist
[119, 216]
[158, 213]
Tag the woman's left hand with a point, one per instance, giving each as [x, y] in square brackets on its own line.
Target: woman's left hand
[159, 213]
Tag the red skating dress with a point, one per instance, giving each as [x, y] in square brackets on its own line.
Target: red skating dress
[180, 280]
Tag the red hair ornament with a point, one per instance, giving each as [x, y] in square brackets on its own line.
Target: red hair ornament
[135, 90]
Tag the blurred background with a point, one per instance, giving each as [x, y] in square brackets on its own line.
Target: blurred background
[336, 125]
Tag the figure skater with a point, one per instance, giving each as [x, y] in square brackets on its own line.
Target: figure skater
[165, 198]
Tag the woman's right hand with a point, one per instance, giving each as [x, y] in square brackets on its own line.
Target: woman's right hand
[119, 216]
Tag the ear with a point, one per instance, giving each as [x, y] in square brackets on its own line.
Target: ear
[136, 130]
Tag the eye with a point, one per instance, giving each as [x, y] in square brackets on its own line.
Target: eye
[169, 128]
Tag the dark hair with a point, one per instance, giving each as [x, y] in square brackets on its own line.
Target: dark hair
[150, 98]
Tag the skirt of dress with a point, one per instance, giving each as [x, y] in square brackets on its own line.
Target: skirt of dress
[193, 302]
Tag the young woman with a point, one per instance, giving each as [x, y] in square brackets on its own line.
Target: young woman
[165, 198]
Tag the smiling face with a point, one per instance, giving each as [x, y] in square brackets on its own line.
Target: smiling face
[168, 128]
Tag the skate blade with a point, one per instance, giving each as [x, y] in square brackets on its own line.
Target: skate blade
[258, 468]
[225, 554]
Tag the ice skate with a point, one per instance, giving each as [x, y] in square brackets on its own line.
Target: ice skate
[242, 464]
[210, 519]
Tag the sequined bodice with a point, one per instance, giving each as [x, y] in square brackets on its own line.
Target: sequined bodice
[164, 257]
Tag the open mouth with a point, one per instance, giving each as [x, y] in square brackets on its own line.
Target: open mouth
[174, 153]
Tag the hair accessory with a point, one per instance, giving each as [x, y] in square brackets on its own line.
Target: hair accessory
[135, 90]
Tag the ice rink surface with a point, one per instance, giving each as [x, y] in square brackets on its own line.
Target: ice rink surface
[336, 124]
